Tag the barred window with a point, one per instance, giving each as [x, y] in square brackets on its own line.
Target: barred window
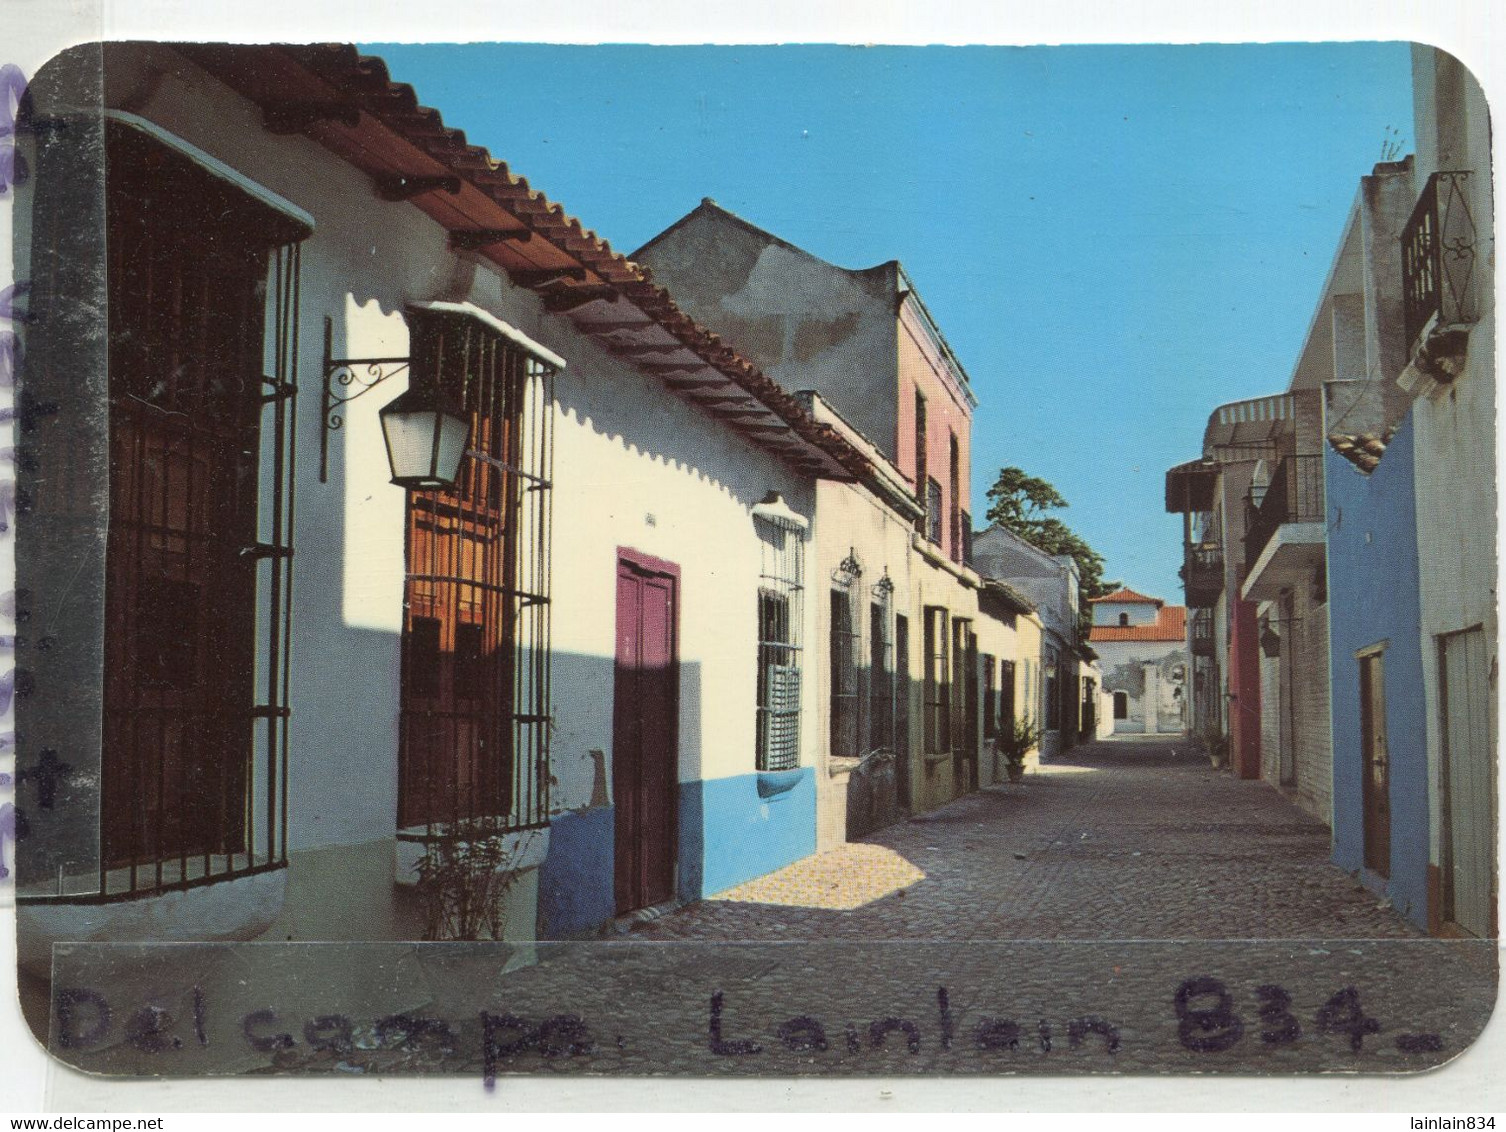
[937, 682]
[475, 651]
[933, 511]
[198, 565]
[781, 596]
[845, 644]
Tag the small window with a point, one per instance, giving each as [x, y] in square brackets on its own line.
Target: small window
[1124, 620]
[937, 685]
[780, 605]
[933, 511]
[844, 676]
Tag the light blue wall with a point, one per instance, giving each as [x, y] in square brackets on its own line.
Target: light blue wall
[743, 827]
[1373, 595]
[731, 830]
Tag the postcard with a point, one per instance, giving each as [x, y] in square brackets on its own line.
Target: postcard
[774, 561]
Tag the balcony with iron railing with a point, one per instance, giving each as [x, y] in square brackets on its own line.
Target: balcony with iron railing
[1200, 632]
[1203, 575]
[1439, 263]
[1284, 527]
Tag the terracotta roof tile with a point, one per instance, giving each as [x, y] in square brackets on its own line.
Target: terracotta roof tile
[1170, 625]
[364, 81]
[1124, 593]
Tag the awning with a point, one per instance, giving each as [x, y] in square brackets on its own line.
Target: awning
[1189, 486]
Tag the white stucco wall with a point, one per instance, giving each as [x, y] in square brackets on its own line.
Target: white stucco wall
[634, 468]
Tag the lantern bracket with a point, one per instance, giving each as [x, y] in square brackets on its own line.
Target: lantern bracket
[345, 379]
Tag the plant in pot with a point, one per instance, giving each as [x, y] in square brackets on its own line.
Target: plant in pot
[1014, 743]
[463, 880]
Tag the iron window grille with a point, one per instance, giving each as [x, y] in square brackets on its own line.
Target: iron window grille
[781, 601]
[937, 683]
[476, 700]
[933, 511]
[881, 679]
[846, 643]
[202, 284]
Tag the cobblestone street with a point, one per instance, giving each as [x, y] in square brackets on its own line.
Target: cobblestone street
[1127, 909]
[1127, 839]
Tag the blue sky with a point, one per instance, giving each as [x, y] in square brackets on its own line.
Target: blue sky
[1114, 239]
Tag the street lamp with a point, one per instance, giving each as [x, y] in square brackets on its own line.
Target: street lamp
[425, 441]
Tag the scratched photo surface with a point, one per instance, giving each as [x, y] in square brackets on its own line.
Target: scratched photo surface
[559, 560]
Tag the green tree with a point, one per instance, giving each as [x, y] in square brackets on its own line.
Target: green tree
[1021, 503]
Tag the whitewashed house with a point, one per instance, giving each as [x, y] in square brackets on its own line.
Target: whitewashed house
[564, 602]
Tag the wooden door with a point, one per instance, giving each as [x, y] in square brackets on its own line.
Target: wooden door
[1376, 784]
[645, 745]
[1468, 785]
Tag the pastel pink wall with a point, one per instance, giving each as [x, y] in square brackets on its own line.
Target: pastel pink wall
[922, 367]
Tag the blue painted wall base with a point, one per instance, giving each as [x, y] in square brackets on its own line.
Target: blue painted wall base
[731, 830]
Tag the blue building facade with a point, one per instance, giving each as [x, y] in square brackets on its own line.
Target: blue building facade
[1375, 623]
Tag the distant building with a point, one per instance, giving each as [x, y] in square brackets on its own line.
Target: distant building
[1051, 584]
[1141, 644]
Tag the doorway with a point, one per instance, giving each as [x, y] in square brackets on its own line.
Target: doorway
[645, 731]
[1468, 786]
[1375, 763]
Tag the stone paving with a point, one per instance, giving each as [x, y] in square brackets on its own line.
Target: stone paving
[1126, 909]
[1115, 840]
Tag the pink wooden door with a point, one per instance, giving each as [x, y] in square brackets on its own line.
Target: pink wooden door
[644, 732]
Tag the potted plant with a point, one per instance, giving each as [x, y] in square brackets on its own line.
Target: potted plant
[1014, 743]
[463, 880]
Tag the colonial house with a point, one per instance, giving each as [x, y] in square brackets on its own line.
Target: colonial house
[412, 513]
[1141, 644]
[1353, 615]
[871, 361]
[1066, 695]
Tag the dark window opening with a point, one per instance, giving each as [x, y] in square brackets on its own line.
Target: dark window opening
[475, 691]
[844, 677]
[933, 511]
[937, 683]
[194, 745]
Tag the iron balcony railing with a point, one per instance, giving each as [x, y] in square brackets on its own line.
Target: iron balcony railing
[1294, 495]
[1203, 574]
[1438, 256]
[1201, 632]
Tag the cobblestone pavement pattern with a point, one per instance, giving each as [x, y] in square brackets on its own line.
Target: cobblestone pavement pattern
[1116, 840]
[1043, 927]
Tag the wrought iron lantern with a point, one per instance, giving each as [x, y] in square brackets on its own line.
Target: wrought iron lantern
[425, 441]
